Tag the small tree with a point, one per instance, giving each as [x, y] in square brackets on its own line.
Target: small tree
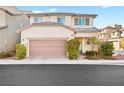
[73, 49]
[20, 51]
[107, 49]
[94, 42]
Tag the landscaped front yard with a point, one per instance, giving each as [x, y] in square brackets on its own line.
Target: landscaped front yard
[105, 52]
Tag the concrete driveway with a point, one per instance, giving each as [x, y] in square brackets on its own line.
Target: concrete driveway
[64, 75]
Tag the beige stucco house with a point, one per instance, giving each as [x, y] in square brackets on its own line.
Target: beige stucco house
[117, 38]
[47, 34]
[11, 19]
[113, 34]
[104, 34]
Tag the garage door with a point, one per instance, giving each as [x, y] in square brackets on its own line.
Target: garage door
[47, 48]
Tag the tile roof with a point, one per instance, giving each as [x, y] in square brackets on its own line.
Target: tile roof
[86, 30]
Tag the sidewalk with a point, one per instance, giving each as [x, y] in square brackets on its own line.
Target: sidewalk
[60, 61]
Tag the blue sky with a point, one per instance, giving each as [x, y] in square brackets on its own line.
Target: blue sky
[107, 15]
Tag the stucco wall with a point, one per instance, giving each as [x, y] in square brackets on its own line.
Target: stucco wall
[69, 20]
[3, 39]
[14, 23]
[2, 18]
[44, 32]
[85, 46]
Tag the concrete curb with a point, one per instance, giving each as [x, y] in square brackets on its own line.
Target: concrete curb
[60, 62]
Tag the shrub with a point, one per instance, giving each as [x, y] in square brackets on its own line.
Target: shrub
[73, 49]
[20, 51]
[5, 54]
[107, 49]
[91, 53]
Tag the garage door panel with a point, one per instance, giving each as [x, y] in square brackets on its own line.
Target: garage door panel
[47, 48]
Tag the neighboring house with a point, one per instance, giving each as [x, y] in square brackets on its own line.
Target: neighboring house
[11, 19]
[104, 34]
[117, 38]
[113, 34]
[47, 34]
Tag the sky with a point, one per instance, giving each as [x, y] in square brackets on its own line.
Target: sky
[107, 15]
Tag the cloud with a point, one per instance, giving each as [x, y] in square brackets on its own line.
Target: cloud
[48, 10]
[105, 6]
[52, 9]
[37, 11]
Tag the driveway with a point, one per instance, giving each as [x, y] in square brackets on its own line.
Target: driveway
[72, 75]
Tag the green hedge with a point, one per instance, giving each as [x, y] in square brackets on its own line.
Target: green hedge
[5, 54]
[20, 51]
[107, 49]
[73, 49]
[91, 53]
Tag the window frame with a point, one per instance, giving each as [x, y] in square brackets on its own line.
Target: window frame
[76, 21]
[36, 19]
[61, 20]
[82, 21]
[87, 24]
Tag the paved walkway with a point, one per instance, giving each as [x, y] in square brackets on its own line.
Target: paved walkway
[60, 61]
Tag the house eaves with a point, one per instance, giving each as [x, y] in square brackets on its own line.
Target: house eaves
[87, 30]
[11, 12]
[61, 14]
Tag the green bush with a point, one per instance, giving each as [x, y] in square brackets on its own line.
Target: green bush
[107, 49]
[91, 53]
[5, 54]
[73, 49]
[20, 51]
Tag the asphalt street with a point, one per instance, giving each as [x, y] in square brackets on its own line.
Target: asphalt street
[61, 75]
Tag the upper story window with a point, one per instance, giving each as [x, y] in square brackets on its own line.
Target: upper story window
[87, 21]
[60, 20]
[76, 21]
[81, 21]
[37, 20]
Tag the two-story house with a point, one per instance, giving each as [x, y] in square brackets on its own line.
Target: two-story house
[104, 34]
[117, 38]
[47, 34]
[11, 19]
[113, 34]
